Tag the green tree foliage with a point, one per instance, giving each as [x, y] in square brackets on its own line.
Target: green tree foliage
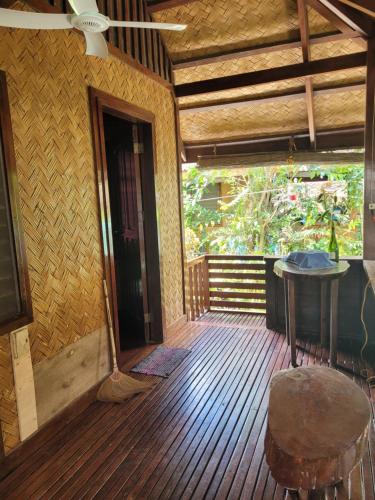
[272, 211]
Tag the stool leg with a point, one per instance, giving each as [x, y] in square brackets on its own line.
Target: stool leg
[333, 322]
[292, 322]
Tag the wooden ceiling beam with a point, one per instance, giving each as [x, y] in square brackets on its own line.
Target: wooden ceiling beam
[158, 5]
[296, 93]
[329, 15]
[304, 30]
[330, 139]
[261, 49]
[369, 192]
[289, 72]
[365, 6]
[310, 110]
[351, 17]
[337, 21]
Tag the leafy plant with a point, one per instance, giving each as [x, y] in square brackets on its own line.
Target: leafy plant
[273, 211]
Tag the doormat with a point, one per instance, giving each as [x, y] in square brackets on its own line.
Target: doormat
[161, 362]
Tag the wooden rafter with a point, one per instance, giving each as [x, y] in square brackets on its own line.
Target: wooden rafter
[365, 6]
[291, 71]
[304, 30]
[227, 55]
[296, 93]
[337, 21]
[351, 17]
[306, 54]
[158, 5]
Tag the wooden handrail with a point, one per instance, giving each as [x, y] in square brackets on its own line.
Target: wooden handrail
[228, 283]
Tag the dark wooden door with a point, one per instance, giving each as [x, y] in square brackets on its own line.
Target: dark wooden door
[127, 233]
[123, 137]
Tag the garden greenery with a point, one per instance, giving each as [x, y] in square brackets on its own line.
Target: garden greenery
[274, 210]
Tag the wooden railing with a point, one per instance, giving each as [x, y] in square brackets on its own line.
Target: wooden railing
[226, 283]
[198, 291]
[142, 45]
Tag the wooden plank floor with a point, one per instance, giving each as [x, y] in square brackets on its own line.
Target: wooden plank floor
[198, 434]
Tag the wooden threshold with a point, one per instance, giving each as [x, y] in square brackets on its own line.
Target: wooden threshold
[198, 434]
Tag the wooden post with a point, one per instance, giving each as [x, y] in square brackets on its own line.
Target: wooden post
[2, 451]
[369, 195]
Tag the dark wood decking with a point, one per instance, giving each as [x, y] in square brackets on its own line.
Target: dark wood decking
[198, 435]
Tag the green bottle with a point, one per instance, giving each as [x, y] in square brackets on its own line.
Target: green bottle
[333, 247]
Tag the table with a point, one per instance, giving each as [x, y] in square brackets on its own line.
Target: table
[329, 281]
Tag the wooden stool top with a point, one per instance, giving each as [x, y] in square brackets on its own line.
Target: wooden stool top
[317, 427]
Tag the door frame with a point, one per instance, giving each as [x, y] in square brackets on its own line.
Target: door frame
[100, 103]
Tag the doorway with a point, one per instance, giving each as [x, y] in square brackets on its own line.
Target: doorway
[123, 138]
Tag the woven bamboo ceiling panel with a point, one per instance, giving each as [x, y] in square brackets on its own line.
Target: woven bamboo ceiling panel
[256, 90]
[223, 25]
[333, 49]
[263, 119]
[340, 110]
[340, 77]
[236, 66]
[317, 23]
[214, 24]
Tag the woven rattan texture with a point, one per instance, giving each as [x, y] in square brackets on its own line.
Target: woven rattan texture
[262, 119]
[317, 23]
[236, 66]
[340, 110]
[214, 24]
[48, 77]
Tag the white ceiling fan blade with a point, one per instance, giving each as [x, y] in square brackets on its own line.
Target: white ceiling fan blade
[96, 45]
[87, 6]
[153, 26]
[34, 20]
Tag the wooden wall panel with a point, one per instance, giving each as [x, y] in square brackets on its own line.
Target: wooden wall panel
[48, 76]
[8, 404]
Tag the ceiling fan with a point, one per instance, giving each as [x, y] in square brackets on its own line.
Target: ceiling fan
[86, 18]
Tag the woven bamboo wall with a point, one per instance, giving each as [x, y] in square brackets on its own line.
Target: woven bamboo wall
[48, 76]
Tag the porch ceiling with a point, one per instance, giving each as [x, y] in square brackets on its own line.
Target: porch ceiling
[226, 38]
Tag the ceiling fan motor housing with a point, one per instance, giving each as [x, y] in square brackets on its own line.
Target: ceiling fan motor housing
[91, 22]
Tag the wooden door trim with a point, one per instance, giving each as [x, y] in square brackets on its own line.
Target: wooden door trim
[100, 103]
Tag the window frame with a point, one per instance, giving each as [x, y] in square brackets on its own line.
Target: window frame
[25, 316]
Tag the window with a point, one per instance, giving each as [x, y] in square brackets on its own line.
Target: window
[15, 301]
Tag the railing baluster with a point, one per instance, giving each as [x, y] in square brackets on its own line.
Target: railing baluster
[191, 293]
[196, 291]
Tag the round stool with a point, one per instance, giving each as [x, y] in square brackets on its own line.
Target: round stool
[318, 424]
